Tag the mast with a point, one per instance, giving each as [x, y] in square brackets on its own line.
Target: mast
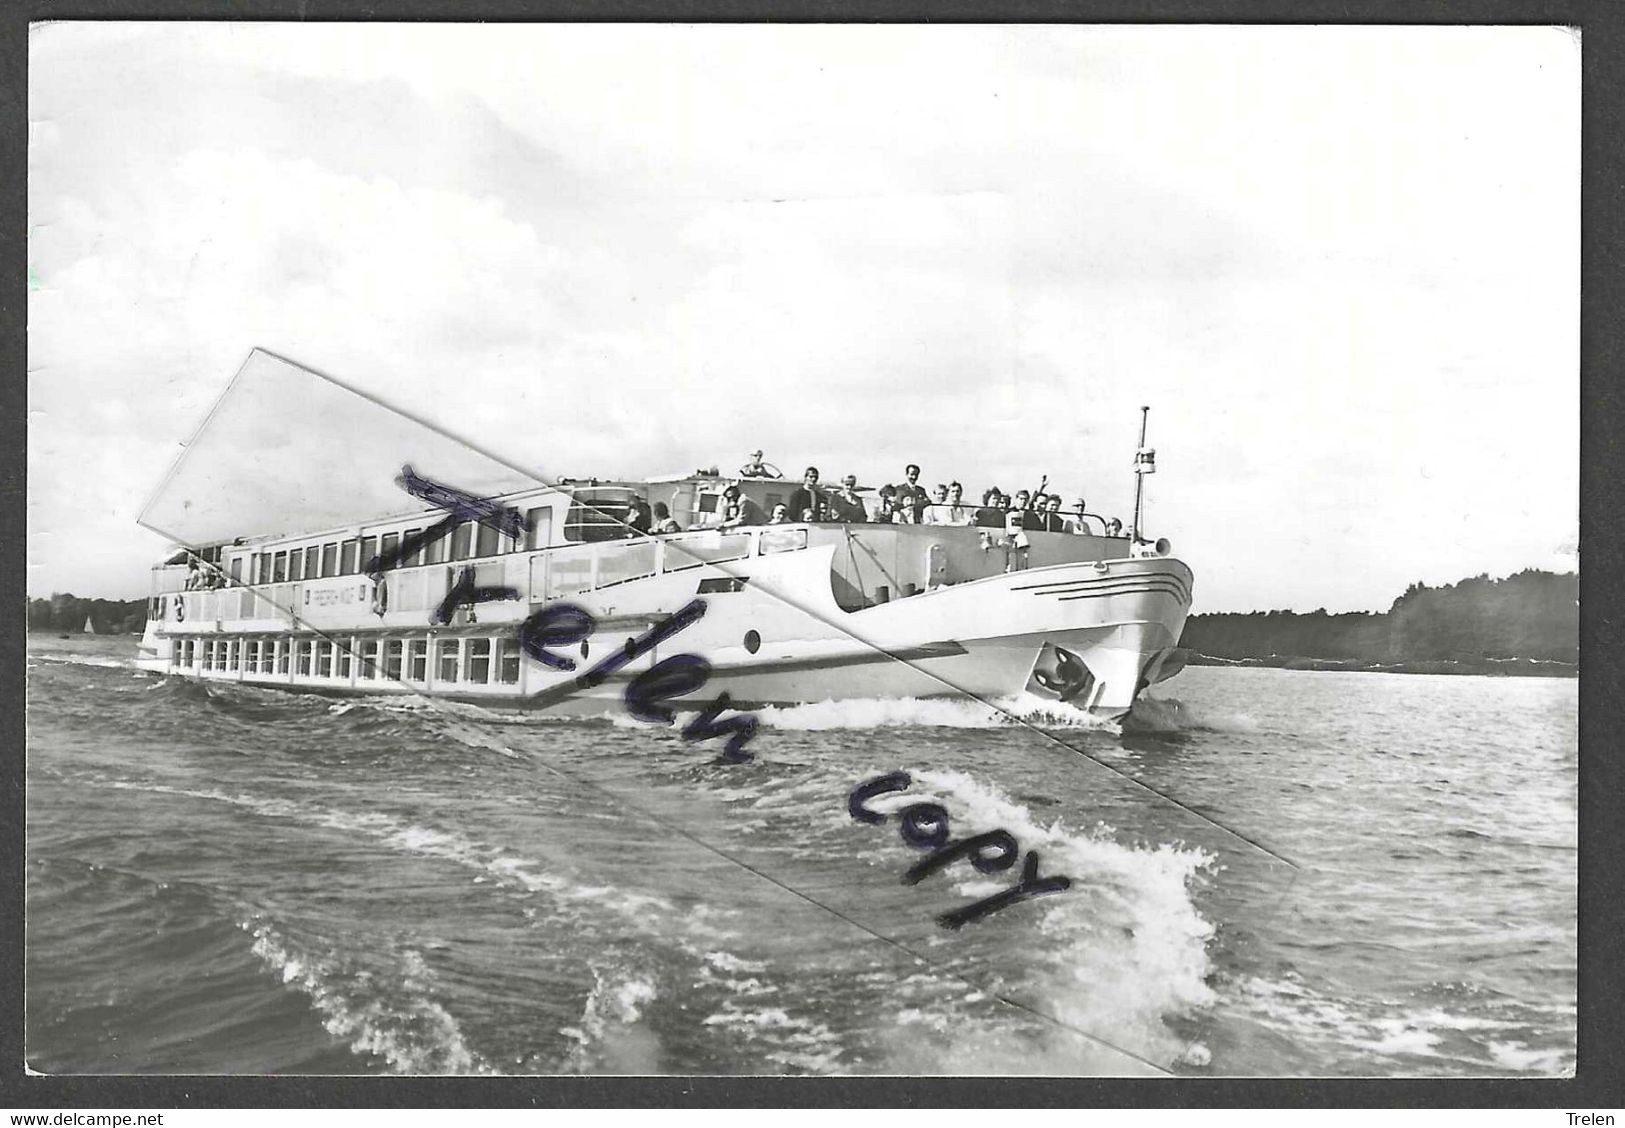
[1145, 462]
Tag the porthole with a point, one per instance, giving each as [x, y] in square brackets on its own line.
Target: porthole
[753, 641]
[583, 648]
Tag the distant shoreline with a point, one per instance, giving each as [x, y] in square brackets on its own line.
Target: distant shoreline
[1491, 667]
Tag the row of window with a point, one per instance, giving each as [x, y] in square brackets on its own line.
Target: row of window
[473, 661]
[349, 557]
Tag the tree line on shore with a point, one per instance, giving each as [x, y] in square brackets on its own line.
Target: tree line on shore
[67, 612]
[1531, 614]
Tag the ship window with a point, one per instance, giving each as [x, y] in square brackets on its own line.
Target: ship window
[782, 540]
[539, 523]
[313, 561]
[236, 569]
[330, 559]
[448, 649]
[205, 655]
[324, 659]
[487, 542]
[462, 541]
[388, 545]
[418, 659]
[279, 568]
[296, 565]
[392, 659]
[369, 660]
[267, 656]
[301, 661]
[341, 657]
[434, 552]
[508, 661]
[600, 514]
[282, 656]
[415, 557]
[479, 660]
[347, 558]
[369, 549]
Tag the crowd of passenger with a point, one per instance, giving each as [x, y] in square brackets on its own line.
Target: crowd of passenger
[203, 578]
[907, 503]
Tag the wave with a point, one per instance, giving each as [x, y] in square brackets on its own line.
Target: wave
[1118, 956]
[610, 1035]
[398, 1020]
[930, 712]
[1420, 1036]
[71, 659]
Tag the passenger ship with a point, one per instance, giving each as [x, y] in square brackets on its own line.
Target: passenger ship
[796, 613]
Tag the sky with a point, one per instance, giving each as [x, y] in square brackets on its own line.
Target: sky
[1340, 264]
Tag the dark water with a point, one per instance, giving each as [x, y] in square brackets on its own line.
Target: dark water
[230, 880]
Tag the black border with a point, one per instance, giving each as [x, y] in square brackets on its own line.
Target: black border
[1598, 1083]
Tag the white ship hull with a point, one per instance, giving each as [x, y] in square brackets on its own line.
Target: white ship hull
[1092, 632]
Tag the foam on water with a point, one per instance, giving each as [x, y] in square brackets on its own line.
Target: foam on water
[88, 660]
[1125, 946]
[611, 1036]
[930, 712]
[399, 1022]
[1398, 1038]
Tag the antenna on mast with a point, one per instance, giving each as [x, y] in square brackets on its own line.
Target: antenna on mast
[1145, 462]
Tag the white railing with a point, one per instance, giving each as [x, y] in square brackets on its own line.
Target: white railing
[557, 572]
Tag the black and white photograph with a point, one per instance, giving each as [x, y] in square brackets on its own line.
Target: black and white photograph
[747, 549]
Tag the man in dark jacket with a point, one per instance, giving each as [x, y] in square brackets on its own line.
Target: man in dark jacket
[807, 499]
[911, 497]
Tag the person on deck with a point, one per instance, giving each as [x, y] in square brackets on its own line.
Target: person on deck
[957, 513]
[781, 515]
[846, 505]
[911, 497]
[663, 520]
[807, 498]
[1051, 516]
[885, 506]
[639, 521]
[937, 512]
[741, 510]
[991, 515]
[1027, 518]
